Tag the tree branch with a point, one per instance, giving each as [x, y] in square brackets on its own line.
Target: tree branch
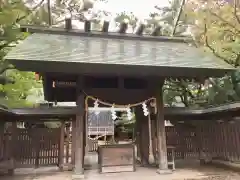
[176, 20]
[5, 68]
[5, 80]
[230, 50]
[232, 32]
[4, 45]
[199, 90]
[225, 21]
[206, 43]
[235, 11]
[185, 88]
[184, 99]
[30, 11]
[237, 61]
[49, 13]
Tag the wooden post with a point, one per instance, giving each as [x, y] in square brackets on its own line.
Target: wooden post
[73, 142]
[67, 145]
[151, 156]
[161, 134]
[2, 139]
[85, 133]
[61, 146]
[143, 136]
[37, 144]
[13, 146]
[79, 139]
[153, 137]
[138, 139]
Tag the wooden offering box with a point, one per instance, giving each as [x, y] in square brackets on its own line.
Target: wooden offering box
[116, 158]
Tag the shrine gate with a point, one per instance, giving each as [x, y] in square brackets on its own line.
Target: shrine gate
[118, 68]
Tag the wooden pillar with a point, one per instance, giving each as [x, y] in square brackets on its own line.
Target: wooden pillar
[84, 133]
[153, 137]
[151, 152]
[143, 136]
[13, 139]
[138, 139]
[61, 145]
[13, 147]
[2, 124]
[68, 142]
[73, 142]
[79, 139]
[161, 134]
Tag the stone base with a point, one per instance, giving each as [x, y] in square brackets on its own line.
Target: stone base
[77, 176]
[164, 171]
[66, 167]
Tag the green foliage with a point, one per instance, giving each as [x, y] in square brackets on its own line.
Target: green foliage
[124, 120]
[17, 93]
[124, 124]
[13, 94]
[217, 30]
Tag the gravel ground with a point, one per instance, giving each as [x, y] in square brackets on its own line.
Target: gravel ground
[195, 172]
[141, 174]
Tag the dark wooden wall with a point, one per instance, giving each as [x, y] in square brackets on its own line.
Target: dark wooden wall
[114, 89]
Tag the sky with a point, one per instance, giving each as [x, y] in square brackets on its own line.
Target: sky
[141, 9]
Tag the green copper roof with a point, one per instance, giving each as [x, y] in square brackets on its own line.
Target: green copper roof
[92, 50]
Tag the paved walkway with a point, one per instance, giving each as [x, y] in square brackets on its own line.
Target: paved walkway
[194, 173]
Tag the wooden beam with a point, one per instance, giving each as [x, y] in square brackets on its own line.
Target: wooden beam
[161, 133]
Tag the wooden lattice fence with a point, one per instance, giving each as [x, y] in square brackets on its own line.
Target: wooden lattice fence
[40, 146]
[220, 140]
[2, 145]
[184, 140]
[212, 139]
[36, 147]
